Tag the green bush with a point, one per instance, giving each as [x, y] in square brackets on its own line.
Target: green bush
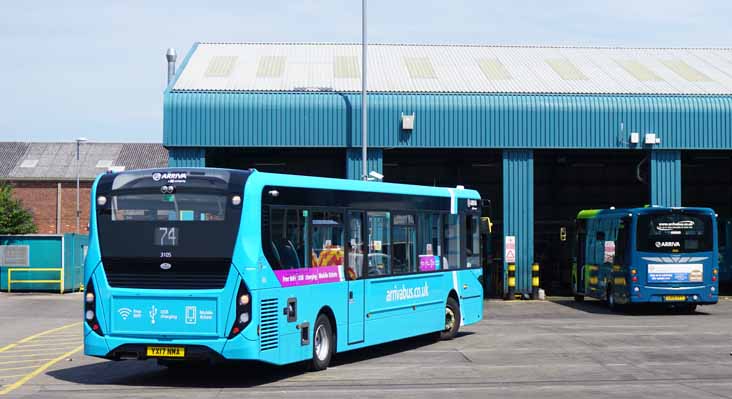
[14, 219]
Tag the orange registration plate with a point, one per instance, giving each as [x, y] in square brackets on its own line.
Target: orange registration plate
[166, 351]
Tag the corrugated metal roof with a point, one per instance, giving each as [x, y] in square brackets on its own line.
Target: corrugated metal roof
[57, 161]
[457, 69]
[142, 156]
[10, 156]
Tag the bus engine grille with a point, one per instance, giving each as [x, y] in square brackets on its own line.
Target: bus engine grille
[268, 327]
[181, 275]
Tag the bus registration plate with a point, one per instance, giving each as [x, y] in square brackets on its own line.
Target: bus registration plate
[166, 351]
[675, 298]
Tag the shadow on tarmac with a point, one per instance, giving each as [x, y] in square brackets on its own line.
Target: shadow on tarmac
[230, 374]
[600, 307]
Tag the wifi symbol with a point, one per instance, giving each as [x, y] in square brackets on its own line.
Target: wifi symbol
[124, 312]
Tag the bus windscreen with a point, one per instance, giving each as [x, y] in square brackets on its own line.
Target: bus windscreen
[674, 232]
[179, 207]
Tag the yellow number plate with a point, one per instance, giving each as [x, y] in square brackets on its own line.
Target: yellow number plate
[166, 351]
[675, 298]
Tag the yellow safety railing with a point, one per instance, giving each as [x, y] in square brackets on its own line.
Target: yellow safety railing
[60, 281]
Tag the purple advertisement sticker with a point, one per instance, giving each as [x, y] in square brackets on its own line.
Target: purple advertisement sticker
[428, 263]
[313, 275]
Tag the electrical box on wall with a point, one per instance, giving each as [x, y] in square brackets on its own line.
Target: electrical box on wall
[408, 122]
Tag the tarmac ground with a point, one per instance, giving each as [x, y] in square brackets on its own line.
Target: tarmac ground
[546, 349]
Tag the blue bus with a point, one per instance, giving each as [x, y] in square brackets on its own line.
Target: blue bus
[200, 264]
[647, 255]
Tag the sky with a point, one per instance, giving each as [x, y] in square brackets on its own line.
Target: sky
[97, 68]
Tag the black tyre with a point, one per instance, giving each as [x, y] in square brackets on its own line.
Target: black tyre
[579, 298]
[323, 344]
[452, 319]
[610, 298]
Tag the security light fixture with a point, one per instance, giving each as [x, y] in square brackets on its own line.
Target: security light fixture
[376, 175]
[651, 139]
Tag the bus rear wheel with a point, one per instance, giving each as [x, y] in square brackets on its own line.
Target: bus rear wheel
[610, 298]
[322, 343]
[452, 320]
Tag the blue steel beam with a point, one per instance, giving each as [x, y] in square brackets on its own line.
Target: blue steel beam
[666, 178]
[518, 212]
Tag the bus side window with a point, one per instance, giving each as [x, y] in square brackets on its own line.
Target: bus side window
[379, 258]
[621, 245]
[354, 269]
[451, 235]
[326, 243]
[404, 246]
[429, 245]
[472, 241]
[288, 229]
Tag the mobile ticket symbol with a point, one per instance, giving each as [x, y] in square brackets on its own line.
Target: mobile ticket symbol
[191, 315]
[124, 312]
[153, 313]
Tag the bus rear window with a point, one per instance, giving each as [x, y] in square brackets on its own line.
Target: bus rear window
[675, 232]
[178, 207]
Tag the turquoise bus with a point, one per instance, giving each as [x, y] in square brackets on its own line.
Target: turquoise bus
[200, 264]
[647, 255]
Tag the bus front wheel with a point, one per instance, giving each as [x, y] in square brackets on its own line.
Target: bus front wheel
[322, 343]
[452, 319]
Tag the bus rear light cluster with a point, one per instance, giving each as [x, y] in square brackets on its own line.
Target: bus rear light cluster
[243, 310]
[90, 308]
[714, 275]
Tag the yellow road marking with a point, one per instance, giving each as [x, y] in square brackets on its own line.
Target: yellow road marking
[49, 339]
[40, 334]
[2, 377]
[23, 350]
[10, 355]
[26, 361]
[52, 343]
[39, 370]
[17, 368]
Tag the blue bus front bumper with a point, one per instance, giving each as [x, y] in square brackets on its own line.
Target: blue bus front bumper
[702, 295]
[113, 347]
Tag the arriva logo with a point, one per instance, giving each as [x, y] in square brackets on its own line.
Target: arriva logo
[668, 244]
[179, 176]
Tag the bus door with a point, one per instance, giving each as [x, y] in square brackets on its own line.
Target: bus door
[355, 265]
[581, 259]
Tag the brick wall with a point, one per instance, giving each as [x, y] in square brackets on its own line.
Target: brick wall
[39, 197]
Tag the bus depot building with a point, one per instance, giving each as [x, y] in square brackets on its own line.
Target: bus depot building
[540, 132]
